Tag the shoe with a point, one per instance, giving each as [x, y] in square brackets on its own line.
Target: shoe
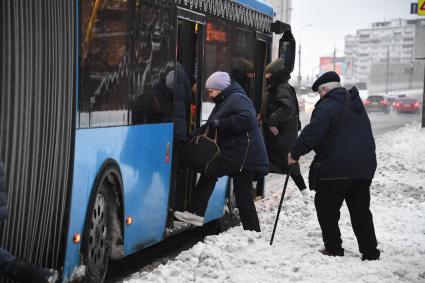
[23, 271]
[371, 256]
[190, 218]
[336, 252]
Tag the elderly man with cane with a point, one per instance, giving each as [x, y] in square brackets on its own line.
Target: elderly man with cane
[340, 133]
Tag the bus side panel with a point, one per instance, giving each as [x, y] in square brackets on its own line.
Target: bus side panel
[217, 200]
[140, 152]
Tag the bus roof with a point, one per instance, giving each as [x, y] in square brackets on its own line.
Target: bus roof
[258, 5]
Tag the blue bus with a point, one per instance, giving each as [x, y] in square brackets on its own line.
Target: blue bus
[87, 133]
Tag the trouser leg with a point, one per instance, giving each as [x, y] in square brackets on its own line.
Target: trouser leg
[358, 203]
[201, 195]
[328, 200]
[299, 181]
[248, 213]
[260, 186]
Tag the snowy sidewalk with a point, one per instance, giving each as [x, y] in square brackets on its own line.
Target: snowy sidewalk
[398, 207]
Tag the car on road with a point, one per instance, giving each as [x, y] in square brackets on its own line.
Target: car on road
[377, 103]
[407, 105]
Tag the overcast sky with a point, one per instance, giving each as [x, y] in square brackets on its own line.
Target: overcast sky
[331, 20]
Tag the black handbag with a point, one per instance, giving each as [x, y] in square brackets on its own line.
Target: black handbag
[201, 152]
[316, 164]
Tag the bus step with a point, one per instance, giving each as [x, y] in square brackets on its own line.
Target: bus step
[179, 226]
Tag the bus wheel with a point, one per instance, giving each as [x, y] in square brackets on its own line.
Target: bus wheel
[231, 215]
[97, 237]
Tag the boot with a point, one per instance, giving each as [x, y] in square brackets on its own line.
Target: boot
[23, 271]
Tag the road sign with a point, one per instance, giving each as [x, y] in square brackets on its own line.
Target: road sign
[421, 7]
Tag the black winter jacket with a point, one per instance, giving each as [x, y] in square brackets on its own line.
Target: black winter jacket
[351, 151]
[282, 113]
[182, 102]
[3, 193]
[236, 115]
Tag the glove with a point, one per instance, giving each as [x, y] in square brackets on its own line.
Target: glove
[214, 123]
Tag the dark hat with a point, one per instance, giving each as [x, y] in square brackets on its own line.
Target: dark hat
[243, 65]
[326, 78]
[275, 66]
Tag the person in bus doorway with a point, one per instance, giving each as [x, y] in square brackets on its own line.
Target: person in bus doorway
[243, 153]
[10, 266]
[182, 108]
[243, 73]
[281, 123]
[340, 133]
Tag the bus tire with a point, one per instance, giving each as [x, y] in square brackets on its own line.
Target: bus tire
[97, 239]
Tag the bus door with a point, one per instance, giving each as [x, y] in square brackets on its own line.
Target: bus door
[189, 57]
[262, 56]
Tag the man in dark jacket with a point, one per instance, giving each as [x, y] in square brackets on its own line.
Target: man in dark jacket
[243, 153]
[281, 123]
[10, 266]
[348, 164]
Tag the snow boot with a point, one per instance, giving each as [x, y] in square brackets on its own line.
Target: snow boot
[333, 252]
[23, 271]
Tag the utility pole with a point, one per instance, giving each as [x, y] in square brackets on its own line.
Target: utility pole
[388, 70]
[299, 67]
[423, 105]
[334, 57]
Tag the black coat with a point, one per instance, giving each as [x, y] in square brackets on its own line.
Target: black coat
[282, 113]
[351, 151]
[237, 117]
[3, 193]
[183, 101]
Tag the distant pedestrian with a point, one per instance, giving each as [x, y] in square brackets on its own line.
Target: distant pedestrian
[340, 133]
[10, 266]
[243, 153]
[281, 123]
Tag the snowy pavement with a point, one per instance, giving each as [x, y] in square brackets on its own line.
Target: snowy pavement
[398, 207]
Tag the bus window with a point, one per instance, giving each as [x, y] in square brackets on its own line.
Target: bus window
[218, 54]
[151, 101]
[103, 67]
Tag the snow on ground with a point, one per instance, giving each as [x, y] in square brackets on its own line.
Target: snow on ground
[398, 207]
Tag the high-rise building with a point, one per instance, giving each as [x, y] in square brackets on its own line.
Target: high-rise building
[282, 12]
[385, 50]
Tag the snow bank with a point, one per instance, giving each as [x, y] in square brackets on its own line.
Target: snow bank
[398, 207]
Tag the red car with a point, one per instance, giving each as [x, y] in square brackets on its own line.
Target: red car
[407, 105]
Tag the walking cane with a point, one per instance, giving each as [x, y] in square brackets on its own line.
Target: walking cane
[280, 207]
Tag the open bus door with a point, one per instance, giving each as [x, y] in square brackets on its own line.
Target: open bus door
[287, 44]
[190, 52]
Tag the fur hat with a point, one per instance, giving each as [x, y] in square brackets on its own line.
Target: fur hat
[243, 65]
[275, 66]
[218, 80]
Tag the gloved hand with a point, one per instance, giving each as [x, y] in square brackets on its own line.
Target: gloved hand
[214, 123]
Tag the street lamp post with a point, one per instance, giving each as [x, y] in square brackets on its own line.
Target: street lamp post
[299, 55]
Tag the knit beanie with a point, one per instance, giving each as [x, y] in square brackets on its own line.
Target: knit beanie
[275, 66]
[169, 80]
[218, 80]
[243, 65]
